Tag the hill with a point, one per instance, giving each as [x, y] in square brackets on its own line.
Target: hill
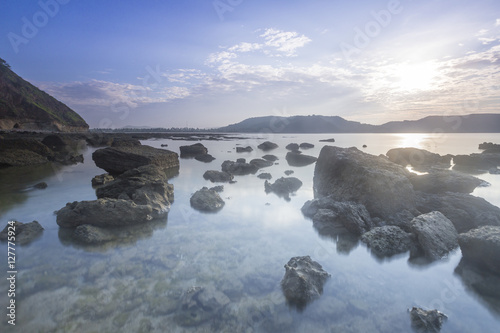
[24, 106]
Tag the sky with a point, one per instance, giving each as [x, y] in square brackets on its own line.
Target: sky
[210, 63]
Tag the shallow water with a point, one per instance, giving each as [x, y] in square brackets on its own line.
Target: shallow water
[134, 285]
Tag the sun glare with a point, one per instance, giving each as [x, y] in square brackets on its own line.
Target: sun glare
[416, 76]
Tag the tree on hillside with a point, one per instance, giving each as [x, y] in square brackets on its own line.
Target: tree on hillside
[4, 63]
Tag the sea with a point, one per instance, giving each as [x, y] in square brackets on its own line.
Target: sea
[135, 284]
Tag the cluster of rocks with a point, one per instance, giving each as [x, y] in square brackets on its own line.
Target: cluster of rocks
[283, 186]
[197, 151]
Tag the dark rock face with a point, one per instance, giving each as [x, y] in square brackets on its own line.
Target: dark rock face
[481, 247]
[120, 159]
[239, 168]
[424, 321]
[193, 150]
[464, 211]
[295, 159]
[292, 146]
[283, 186]
[25, 233]
[303, 281]
[420, 159]
[265, 176]
[388, 240]
[271, 158]
[102, 179]
[246, 149]
[207, 158]
[383, 187]
[305, 145]
[199, 304]
[206, 200]
[261, 163]
[440, 181]
[354, 217]
[218, 176]
[436, 235]
[267, 145]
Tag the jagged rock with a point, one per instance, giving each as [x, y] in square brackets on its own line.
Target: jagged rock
[464, 211]
[244, 149]
[292, 146]
[239, 168]
[206, 200]
[296, 159]
[265, 176]
[199, 304]
[193, 150]
[207, 158]
[420, 159]
[440, 181]
[218, 176]
[426, 320]
[267, 145]
[25, 233]
[283, 186]
[288, 172]
[481, 247]
[436, 235]
[260, 163]
[120, 159]
[386, 241]
[41, 186]
[303, 281]
[90, 234]
[271, 158]
[383, 187]
[102, 179]
[305, 145]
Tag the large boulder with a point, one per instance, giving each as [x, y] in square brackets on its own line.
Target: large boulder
[295, 159]
[239, 168]
[481, 246]
[420, 159]
[193, 150]
[218, 176]
[303, 281]
[206, 158]
[436, 235]
[267, 145]
[292, 146]
[117, 160]
[383, 187]
[440, 181]
[24, 232]
[206, 200]
[464, 210]
[389, 240]
[283, 186]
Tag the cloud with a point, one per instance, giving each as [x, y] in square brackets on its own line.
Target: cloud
[286, 42]
[497, 22]
[245, 47]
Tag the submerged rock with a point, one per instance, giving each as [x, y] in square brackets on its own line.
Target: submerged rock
[193, 150]
[199, 304]
[265, 176]
[424, 321]
[481, 247]
[246, 149]
[218, 176]
[89, 234]
[239, 168]
[25, 233]
[303, 281]
[295, 159]
[283, 186]
[389, 240]
[267, 145]
[206, 200]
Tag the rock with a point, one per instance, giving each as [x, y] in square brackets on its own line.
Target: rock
[207, 158]
[193, 150]
[292, 146]
[464, 211]
[238, 168]
[365, 146]
[420, 159]
[267, 145]
[241, 160]
[295, 159]
[271, 158]
[283, 186]
[164, 145]
[389, 240]
[440, 181]
[305, 145]
[25, 233]
[303, 281]
[327, 140]
[265, 176]
[20, 157]
[102, 179]
[99, 140]
[261, 163]
[89, 234]
[218, 188]
[218, 176]
[41, 186]
[9, 146]
[436, 235]
[120, 159]
[383, 187]
[199, 304]
[244, 149]
[288, 172]
[354, 217]
[488, 145]
[481, 247]
[426, 320]
[206, 200]
[475, 162]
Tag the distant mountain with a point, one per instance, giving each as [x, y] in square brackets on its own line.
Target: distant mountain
[24, 106]
[474, 123]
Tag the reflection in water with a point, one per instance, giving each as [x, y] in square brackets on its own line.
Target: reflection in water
[336, 232]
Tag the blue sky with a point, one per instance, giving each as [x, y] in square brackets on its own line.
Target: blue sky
[206, 63]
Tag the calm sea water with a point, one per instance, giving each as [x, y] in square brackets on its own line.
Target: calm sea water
[132, 285]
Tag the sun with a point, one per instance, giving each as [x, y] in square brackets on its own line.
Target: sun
[413, 77]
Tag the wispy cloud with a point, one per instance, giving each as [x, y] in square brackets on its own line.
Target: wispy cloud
[287, 42]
